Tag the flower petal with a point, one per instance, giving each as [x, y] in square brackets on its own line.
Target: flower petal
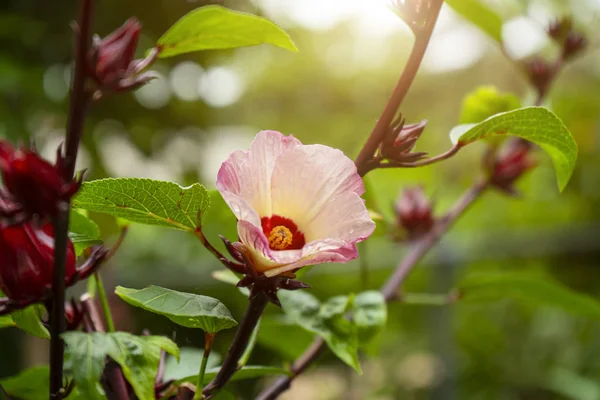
[247, 174]
[306, 179]
[344, 217]
[318, 252]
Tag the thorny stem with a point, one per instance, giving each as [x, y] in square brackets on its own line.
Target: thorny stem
[77, 106]
[253, 313]
[391, 286]
[110, 325]
[400, 91]
[208, 341]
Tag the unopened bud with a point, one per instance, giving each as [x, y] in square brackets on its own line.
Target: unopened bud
[32, 183]
[414, 212]
[510, 164]
[400, 141]
[27, 260]
[114, 53]
[559, 29]
[574, 43]
[540, 73]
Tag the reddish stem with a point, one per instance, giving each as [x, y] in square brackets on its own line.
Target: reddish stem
[404, 82]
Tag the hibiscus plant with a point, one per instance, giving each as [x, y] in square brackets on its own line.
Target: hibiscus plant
[294, 206]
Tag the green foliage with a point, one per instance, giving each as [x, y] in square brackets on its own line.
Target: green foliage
[536, 124]
[247, 372]
[326, 320]
[486, 101]
[186, 309]
[145, 201]
[189, 360]
[138, 357]
[528, 288]
[83, 232]
[29, 319]
[370, 314]
[6, 321]
[31, 384]
[273, 328]
[480, 15]
[215, 27]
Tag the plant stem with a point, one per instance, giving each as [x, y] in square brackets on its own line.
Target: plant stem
[57, 320]
[251, 343]
[400, 91]
[77, 106]
[391, 286]
[110, 325]
[256, 306]
[208, 341]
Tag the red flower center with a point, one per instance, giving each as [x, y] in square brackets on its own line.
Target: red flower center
[283, 233]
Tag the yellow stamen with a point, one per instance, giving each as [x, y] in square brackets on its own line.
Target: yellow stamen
[280, 238]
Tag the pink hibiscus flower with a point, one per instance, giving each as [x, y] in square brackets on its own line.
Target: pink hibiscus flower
[296, 204]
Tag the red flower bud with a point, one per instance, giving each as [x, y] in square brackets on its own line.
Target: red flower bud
[574, 43]
[26, 260]
[400, 141]
[414, 212]
[111, 59]
[559, 29]
[514, 160]
[33, 184]
[540, 73]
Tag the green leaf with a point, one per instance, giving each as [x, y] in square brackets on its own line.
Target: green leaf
[138, 357]
[29, 319]
[528, 288]
[215, 27]
[479, 15]
[327, 320]
[186, 309]
[145, 201]
[189, 361]
[248, 372]
[6, 321]
[273, 328]
[370, 314]
[31, 384]
[83, 232]
[486, 101]
[536, 124]
[87, 353]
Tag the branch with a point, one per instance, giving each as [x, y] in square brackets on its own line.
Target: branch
[444, 156]
[253, 313]
[404, 82]
[391, 286]
[77, 108]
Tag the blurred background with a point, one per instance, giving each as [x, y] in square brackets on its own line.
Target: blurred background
[183, 125]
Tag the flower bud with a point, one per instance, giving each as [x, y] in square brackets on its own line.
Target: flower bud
[414, 212]
[112, 56]
[27, 260]
[32, 183]
[559, 29]
[400, 141]
[574, 43]
[512, 162]
[540, 73]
